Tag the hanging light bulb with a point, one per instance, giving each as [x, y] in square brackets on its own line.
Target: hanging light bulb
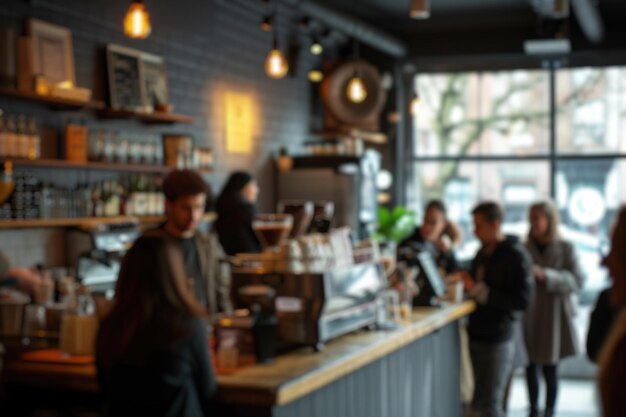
[316, 48]
[356, 91]
[137, 21]
[415, 105]
[275, 64]
[316, 75]
[266, 24]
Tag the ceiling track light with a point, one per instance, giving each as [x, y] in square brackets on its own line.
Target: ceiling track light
[316, 47]
[137, 21]
[420, 9]
[316, 75]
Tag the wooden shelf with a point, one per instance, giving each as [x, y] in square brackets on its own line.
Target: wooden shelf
[51, 101]
[102, 166]
[79, 221]
[155, 117]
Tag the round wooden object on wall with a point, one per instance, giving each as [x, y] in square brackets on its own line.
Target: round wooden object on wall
[333, 90]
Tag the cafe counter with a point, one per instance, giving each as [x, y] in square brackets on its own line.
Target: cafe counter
[411, 370]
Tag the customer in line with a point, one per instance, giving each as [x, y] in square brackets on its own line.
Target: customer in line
[26, 280]
[436, 235]
[612, 360]
[186, 195]
[152, 348]
[549, 321]
[500, 282]
[236, 208]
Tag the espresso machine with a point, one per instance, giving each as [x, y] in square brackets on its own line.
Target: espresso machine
[95, 250]
[314, 307]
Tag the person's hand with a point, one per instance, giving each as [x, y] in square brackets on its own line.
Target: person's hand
[468, 281]
[442, 244]
[539, 273]
[28, 280]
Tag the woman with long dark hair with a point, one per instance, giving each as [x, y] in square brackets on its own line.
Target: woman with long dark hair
[152, 348]
[236, 208]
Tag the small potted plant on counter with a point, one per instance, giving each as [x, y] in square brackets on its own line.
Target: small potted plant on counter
[393, 226]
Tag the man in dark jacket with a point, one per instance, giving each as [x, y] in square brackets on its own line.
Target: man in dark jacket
[186, 194]
[500, 283]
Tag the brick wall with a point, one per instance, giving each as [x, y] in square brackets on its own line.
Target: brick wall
[210, 47]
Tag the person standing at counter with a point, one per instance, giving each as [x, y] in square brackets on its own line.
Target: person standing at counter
[186, 194]
[24, 279]
[235, 212]
[152, 348]
[500, 282]
[549, 323]
[612, 359]
[437, 235]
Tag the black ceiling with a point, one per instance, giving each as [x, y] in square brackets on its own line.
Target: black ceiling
[475, 26]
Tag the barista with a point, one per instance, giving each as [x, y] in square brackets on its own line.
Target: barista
[236, 208]
[26, 280]
[436, 235]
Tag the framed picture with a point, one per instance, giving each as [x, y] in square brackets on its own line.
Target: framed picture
[154, 80]
[126, 87]
[52, 53]
[137, 80]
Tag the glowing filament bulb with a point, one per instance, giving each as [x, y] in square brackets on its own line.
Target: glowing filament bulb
[137, 21]
[357, 93]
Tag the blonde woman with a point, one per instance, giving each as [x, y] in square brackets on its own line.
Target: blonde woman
[548, 324]
[612, 360]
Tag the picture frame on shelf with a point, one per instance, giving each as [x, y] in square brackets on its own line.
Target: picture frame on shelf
[51, 51]
[126, 87]
[137, 80]
[155, 81]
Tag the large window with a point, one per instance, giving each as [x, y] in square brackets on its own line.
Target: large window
[519, 136]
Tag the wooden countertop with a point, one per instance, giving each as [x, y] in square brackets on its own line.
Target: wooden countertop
[288, 378]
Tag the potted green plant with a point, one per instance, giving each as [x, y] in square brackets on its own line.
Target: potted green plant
[394, 225]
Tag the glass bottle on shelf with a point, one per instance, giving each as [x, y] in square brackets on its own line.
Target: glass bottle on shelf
[11, 137]
[34, 140]
[96, 197]
[3, 138]
[21, 137]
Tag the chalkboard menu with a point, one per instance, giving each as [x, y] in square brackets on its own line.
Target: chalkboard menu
[125, 82]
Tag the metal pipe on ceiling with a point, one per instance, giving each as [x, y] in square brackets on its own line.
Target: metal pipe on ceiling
[355, 28]
[340, 22]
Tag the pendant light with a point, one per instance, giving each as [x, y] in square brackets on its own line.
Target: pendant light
[275, 64]
[356, 90]
[316, 47]
[316, 75]
[266, 24]
[415, 104]
[137, 21]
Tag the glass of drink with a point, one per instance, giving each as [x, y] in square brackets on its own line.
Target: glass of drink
[272, 228]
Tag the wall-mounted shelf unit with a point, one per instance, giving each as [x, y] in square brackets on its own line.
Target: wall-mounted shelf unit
[101, 166]
[56, 102]
[95, 105]
[149, 118]
[78, 221]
